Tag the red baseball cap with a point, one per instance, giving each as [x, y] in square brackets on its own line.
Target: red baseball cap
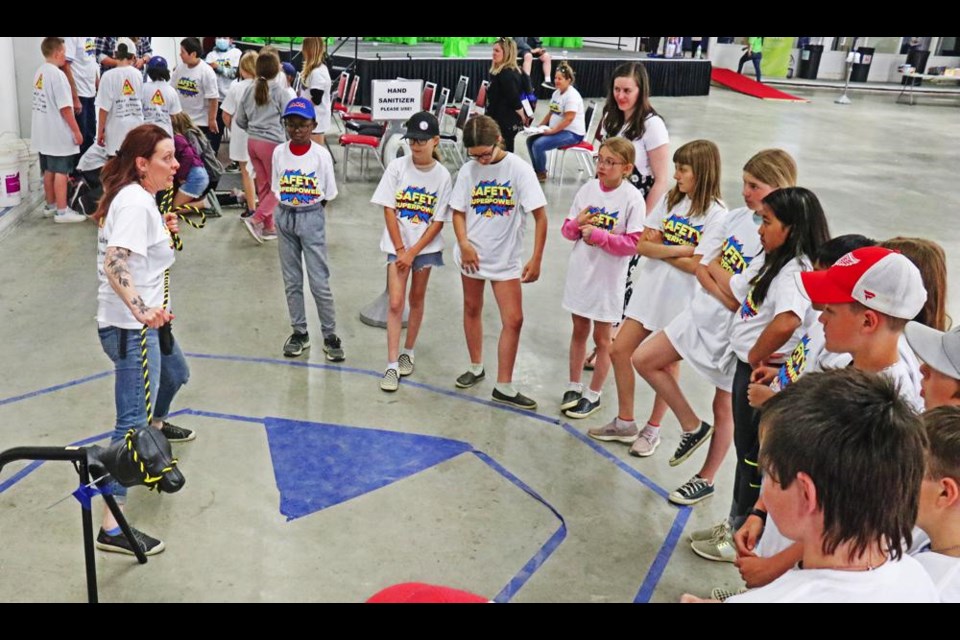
[880, 279]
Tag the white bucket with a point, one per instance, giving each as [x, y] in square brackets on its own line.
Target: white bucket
[11, 184]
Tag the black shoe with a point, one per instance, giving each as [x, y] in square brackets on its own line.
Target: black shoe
[120, 544]
[689, 443]
[247, 214]
[174, 433]
[570, 399]
[547, 85]
[295, 344]
[584, 409]
[519, 401]
[469, 379]
[233, 167]
[331, 347]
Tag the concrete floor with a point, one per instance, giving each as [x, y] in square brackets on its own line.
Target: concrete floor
[521, 507]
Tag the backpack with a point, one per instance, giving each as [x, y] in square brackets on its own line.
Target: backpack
[210, 162]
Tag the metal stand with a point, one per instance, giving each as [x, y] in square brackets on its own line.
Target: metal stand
[84, 464]
[844, 99]
[375, 313]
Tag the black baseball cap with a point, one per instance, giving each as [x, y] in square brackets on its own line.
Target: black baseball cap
[422, 126]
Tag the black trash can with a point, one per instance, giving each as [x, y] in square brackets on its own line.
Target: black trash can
[917, 58]
[810, 61]
[862, 69]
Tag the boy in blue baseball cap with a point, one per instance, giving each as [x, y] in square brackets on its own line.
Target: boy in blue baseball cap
[303, 183]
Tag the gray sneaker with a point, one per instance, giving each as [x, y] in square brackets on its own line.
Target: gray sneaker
[710, 532]
[647, 443]
[390, 380]
[722, 593]
[405, 365]
[333, 349]
[611, 432]
[692, 491]
[718, 549]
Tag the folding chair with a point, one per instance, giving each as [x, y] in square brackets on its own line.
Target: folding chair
[584, 150]
[453, 139]
[458, 96]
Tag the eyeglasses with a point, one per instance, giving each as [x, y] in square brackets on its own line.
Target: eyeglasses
[607, 162]
[416, 142]
[297, 126]
[486, 155]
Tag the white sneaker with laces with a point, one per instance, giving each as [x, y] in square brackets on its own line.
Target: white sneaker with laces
[69, 216]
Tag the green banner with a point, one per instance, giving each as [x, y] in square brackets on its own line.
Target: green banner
[776, 56]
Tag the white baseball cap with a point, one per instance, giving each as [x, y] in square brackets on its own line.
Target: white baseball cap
[939, 349]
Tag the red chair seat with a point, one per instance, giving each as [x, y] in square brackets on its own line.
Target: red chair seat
[357, 116]
[452, 111]
[586, 146]
[353, 138]
[339, 107]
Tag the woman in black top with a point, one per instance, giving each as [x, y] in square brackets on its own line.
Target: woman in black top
[505, 91]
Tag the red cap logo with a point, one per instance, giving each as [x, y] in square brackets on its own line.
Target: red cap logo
[869, 295]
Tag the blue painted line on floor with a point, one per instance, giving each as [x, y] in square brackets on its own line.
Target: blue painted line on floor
[56, 387]
[545, 551]
[220, 416]
[33, 466]
[459, 395]
[596, 446]
[652, 579]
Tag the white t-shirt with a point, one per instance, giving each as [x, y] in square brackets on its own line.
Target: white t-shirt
[654, 136]
[238, 137]
[418, 198]
[661, 291]
[303, 181]
[160, 101]
[563, 103]
[901, 581]
[120, 90]
[494, 198]
[82, 55]
[701, 332]
[782, 296]
[595, 278]
[50, 133]
[945, 573]
[228, 61]
[196, 86]
[319, 79]
[133, 222]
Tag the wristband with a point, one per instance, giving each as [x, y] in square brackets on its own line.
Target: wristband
[760, 513]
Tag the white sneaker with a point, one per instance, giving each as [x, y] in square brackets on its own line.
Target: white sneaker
[69, 216]
[49, 210]
[390, 380]
[647, 443]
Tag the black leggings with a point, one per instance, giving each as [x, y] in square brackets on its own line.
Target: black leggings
[746, 440]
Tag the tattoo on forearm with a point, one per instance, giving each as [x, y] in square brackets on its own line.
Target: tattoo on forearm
[116, 265]
[139, 304]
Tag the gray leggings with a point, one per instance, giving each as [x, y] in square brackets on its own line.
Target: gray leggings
[302, 238]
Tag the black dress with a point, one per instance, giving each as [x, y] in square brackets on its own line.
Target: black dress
[503, 101]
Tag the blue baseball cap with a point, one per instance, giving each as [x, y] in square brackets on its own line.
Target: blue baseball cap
[289, 69]
[300, 107]
[157, 62]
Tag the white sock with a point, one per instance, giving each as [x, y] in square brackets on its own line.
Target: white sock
[624, 424]
[409, 352]
[575, 386]
[652, 426]
[64, 210]
[506, 388]
[592, 395]
[51, 206]
[476, 368]
[393, 365]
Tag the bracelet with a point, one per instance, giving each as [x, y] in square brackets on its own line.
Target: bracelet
[760, 513]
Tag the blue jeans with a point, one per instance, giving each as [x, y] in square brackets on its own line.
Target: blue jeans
[170, 373]
[755, 57]
[87, 121]
[539, 145]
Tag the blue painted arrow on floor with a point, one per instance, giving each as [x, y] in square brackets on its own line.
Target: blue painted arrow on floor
[319, 465]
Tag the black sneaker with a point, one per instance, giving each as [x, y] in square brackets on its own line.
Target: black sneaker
[692, 491]
[570, 399]
[233, 167]
[547, 85]
[120, 544]
[469, 379]
[331, 347]
[246, 214]
[173, 433]
[689, 443]
[295, 344]
[519, 401]
[584, 409]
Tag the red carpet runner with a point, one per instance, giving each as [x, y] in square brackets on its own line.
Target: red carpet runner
[737, 82]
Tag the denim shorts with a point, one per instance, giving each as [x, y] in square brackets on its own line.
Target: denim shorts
[196, 182]
[57, 164]
[423, 260]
